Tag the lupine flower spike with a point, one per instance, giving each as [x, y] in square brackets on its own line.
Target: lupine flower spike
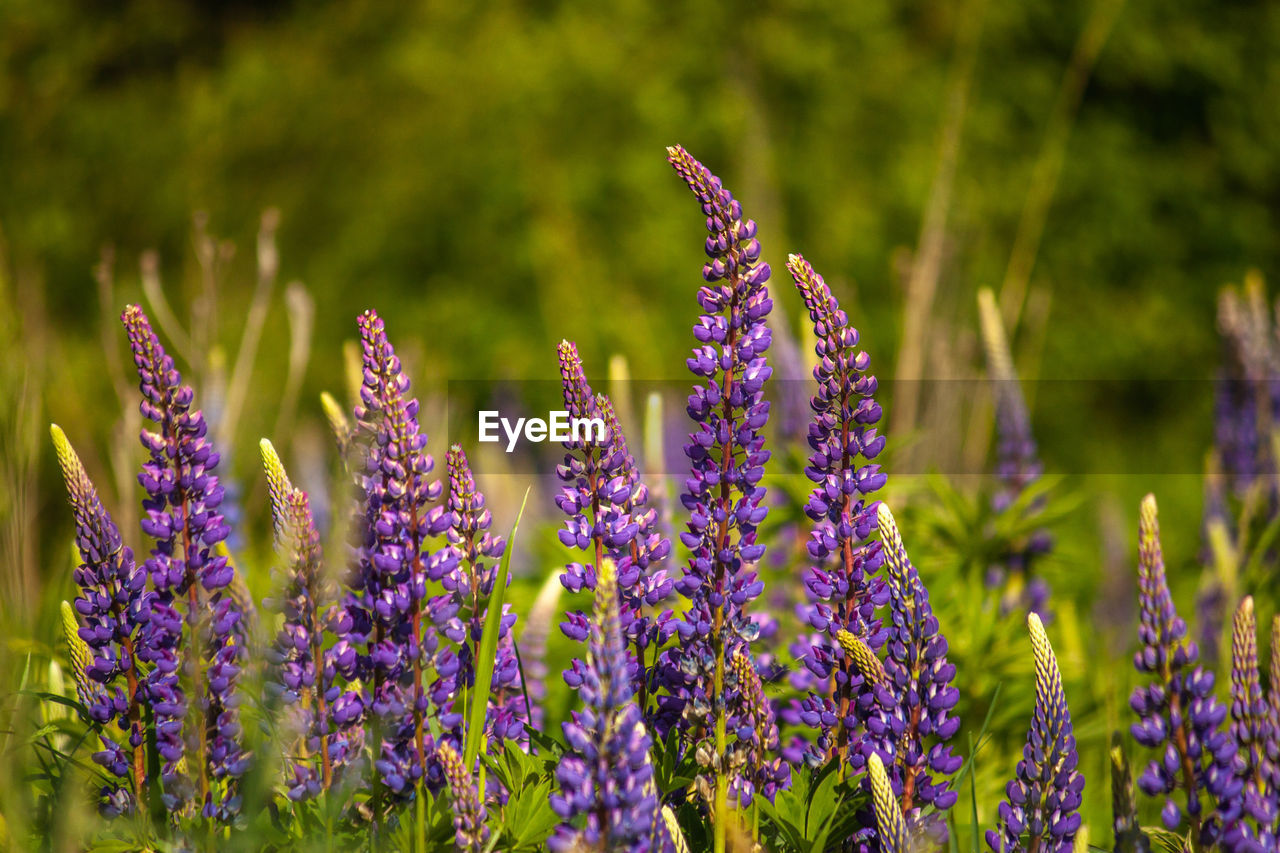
[1124, 804]
[470, 831]
[79, 656]
[606, 798]
[1179, 715]
[467, 570]
[306, 671]
[722, 494]
[1253, 829]
[1041, 812]
[114, 603]
[387, 643]
[890, 825]
[192, 611]
[756, 765]
[609, 517]
[1017, 463]
[919, 721]
[843, 587]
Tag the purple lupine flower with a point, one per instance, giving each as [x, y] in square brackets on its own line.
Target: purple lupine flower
[1018, 466]
[607, 799]
[1246, 395]
[1045, 794]
[191, 580]
[1179, 715]
[467, 569]
[470, 830]
[386, 644]
[114, 603]
[723, 494]
[842, 585]
[1252, 830]
[919, 722]
[1273, 698]
[759, 769]
[609, 517]
[306, 672]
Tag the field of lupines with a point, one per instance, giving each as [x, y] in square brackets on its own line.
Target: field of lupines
[749, 660]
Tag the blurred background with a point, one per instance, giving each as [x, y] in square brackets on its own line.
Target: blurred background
[491, 178]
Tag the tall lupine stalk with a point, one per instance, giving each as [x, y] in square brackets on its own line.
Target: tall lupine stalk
[1253, 828]
[1017, 461]
[467, 570]
[1179, 715]
[607, 798]
[115, 605]
[1041, 812]
[918, 725]
[609, 518]
[193, 624]
[388, 588]
[306, 672]
[843, 588]
[722, 494]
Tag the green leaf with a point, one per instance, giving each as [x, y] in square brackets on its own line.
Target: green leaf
[1163, 841]
[486, 653]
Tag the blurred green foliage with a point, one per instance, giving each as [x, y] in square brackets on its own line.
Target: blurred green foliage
[490, 176]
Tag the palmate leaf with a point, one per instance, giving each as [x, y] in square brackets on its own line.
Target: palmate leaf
[487, 652]
[816, 810]
[1164, 841]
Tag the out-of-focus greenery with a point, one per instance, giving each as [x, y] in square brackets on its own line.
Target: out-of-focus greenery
[490, 177]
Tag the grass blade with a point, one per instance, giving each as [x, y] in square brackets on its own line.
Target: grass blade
[488, 649]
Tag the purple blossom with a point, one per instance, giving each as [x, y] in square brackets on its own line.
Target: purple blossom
[758, 767]
[1045, 794]
[1018, 466]
[191, 581]
[842, 585]
[607, 798]
[467, 570]
[470, 831]
[114, 603]
[385, 644]
[305, 671]
[1252, 828]
[609, 517]
[723, 494]
[1179, 715]
[916, 726]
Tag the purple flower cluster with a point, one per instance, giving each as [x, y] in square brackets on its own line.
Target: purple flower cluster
[1178, 712]
[384, 643]
[1045, 794]
[191, 581]
[1251, 828]
[607, 799]
[1017, 466]
[609, 518]
[306, 672]
[1247, 392]
[466, 570]
[755, 764]
[723, 494]
[115, 605]
[916, 727]
[842, 585]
